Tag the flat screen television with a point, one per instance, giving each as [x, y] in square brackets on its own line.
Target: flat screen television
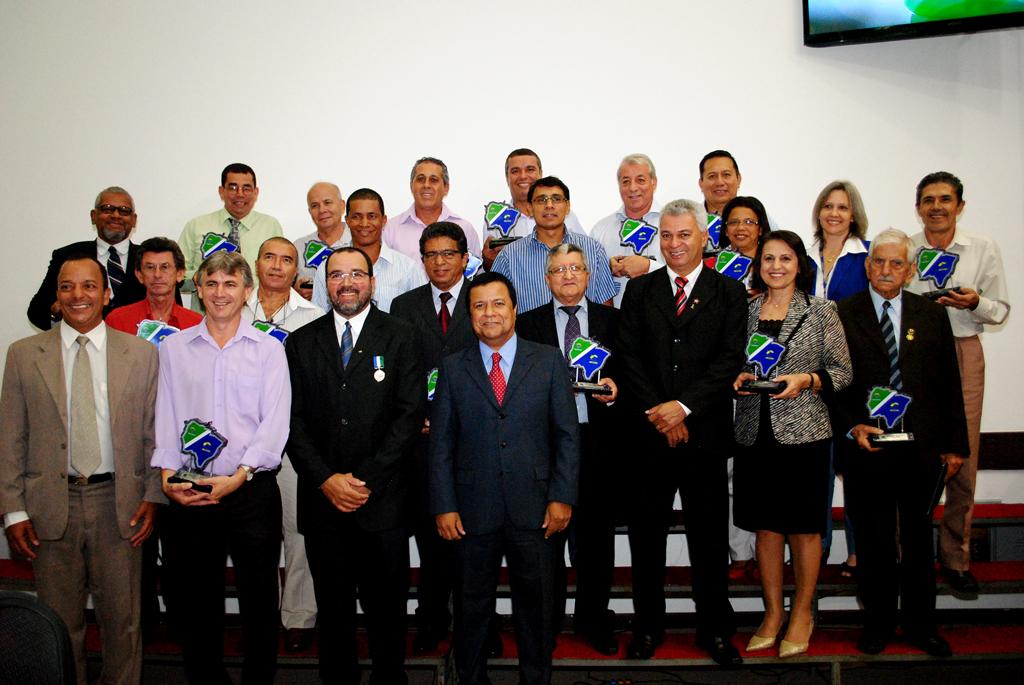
[844, 22]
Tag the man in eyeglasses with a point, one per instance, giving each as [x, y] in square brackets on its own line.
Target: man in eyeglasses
[235, 226]
[524, 261]
[357, 407]
[114, 218]
[632, 248]
[559, 323]
[394, 273]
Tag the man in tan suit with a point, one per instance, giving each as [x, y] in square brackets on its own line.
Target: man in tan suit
[76, 490]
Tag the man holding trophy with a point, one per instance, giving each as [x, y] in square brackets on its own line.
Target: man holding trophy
[221, 424]
[904, 415]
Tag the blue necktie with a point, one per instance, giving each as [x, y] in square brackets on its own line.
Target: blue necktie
[346, 344]
[895, 377]
[115, 271]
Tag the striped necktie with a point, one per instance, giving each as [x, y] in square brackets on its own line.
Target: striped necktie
[233, 234]
[680, 295]
[889, 334]
[346, 344]
[115, 271]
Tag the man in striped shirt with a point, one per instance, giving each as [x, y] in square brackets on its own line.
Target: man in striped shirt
[524, 262]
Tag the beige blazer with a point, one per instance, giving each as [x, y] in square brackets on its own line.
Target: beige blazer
[34, 429]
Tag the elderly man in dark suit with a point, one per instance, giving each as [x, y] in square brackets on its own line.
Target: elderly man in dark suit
[570, 315]
[78, 498]
[680, 347]
[901, 341]
[504, 463]
[357, 407]
[437, 310]
[113, 216]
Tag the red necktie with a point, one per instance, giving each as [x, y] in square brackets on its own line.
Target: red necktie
[497, 378]
[680, 295]
[443, 315]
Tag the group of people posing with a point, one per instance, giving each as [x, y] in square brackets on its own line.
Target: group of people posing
[515, 398]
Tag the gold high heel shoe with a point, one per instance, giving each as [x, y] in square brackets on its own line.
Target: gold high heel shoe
[758, 643]
[788, 649]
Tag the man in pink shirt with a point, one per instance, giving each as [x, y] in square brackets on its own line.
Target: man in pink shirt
[429, 185]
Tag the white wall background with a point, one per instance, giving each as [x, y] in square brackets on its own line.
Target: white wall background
[159, 96]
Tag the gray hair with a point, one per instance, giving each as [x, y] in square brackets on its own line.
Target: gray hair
[566, 249]
[638, 158]
[432, 160]
[224, 262]
[112, 190]
[859, 224]
[891, 236]
[687, 207]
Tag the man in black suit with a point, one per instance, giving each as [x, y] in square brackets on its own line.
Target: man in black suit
[901, 341]
[437, 310]
[357, 407]
[568, 316]
[680, 347]
[114, 218]
[504, 463]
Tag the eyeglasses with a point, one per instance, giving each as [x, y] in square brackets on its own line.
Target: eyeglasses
[123, 210]
[356, 276]
[567, 268]
[244, 190]
[733, 223]
[553, 199]
[443, 254]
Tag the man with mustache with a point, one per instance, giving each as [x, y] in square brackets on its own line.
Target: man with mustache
[113, 217]
[977, 297]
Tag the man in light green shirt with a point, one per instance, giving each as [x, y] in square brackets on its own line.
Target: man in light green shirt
[235, 223]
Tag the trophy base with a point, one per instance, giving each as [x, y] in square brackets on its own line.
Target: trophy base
[591, 388]
[763, 387]
[502, 242]
[186, 476]
[892, 437]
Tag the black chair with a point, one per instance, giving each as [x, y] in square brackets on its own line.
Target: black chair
[34, 645]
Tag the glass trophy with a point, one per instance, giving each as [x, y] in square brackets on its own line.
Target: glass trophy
[637, 234]
[586, 358]
[501, 217]
[201, 442]
[431, 384]
[271, 329]
[155, 331]
[888, 407]
[765, 353]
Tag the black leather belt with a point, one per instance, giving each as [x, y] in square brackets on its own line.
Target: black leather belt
[91, 480]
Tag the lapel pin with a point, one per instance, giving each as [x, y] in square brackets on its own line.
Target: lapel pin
[910, 334]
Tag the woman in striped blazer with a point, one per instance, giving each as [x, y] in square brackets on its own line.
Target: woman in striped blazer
[782, 464]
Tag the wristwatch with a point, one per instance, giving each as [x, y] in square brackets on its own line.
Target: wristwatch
[249, 472]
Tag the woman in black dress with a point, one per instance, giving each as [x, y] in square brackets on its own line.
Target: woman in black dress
[782, 464]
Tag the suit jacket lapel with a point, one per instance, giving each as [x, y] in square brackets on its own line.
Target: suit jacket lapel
[867, 320]
[664, 297]
[327, 340]
[474, 366]
[120, 367]
[549, 331]
[425, 307]
[700, 297]
[524, 361]
[797, 309]
[366, 340]
[50, 363]
[909, 321]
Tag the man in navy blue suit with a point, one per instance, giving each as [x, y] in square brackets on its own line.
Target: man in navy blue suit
[504, 463]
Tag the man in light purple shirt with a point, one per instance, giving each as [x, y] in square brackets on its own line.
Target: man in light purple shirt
[429, 185]
[223, 405]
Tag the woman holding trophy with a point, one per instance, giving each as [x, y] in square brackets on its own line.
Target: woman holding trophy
[796, 358]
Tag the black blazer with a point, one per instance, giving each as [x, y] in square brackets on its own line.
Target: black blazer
[693, 358]
[931, 375]
[344, 420]
[500, 466]
[39, 306]
[416, 307]
[538, 325]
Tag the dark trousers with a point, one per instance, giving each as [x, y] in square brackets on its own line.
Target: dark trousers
[530, 571]
[197, 541]
[890, 495]
[375, 566]
[593, 528]
[437, 559]
[701, 477]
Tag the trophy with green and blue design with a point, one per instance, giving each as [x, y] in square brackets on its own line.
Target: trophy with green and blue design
[764, 352]
[215, 242]
[937, 266]
[637, 234]
[155, 331]
[201, 443]
[587, 358]
[888, 407]
[502, 217]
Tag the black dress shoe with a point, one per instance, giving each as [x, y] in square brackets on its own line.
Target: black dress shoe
[425, 641]
[961, 581]
[298, 639]
[495, 647]
[872, 643]
[930, 643]
[722, 651]
[642, 646]
[602, 641]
